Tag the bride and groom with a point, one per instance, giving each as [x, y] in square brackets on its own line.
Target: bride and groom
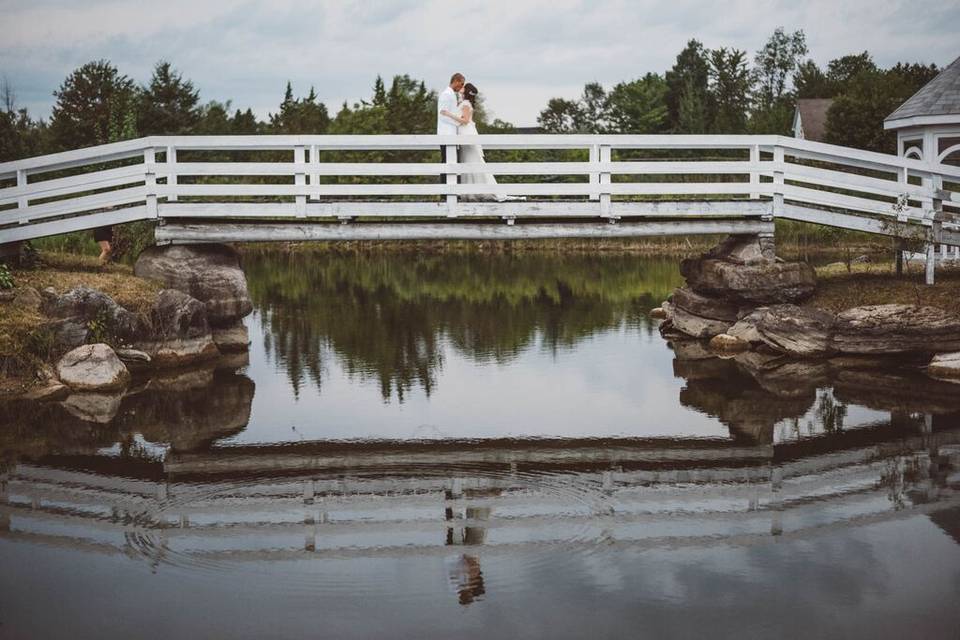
[455, 108]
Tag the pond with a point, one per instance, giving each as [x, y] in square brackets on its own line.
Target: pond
[483, 445]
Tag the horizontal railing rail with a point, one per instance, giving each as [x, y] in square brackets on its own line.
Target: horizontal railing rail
[605, 177]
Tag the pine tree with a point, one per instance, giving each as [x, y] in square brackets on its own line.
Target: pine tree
[168, 105]
[88, 101]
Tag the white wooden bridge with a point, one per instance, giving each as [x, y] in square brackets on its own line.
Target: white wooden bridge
[309, 187]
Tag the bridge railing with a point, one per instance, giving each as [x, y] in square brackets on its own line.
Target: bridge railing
[605, 177]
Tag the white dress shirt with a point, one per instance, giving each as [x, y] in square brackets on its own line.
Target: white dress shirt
[447, 126]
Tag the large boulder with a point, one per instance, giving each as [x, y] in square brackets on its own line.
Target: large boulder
[750, 284]
[232, 339]
[92, 367]
[180, 332]
[692, 325]
[74, 312]
[896, 328]
[210, 273]
[787, 328]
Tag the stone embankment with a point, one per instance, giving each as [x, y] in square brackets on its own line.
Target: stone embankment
[198, 317]
[739, 297]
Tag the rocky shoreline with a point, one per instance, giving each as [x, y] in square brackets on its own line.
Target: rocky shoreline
[739, 297]
[196, 318]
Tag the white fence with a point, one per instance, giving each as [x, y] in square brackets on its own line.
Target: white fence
[555, 178]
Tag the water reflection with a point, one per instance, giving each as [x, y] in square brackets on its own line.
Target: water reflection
[841, 464]
[385, 317]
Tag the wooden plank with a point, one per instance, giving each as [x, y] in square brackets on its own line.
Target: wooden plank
[77, 157]
[435, 189]
[660, 208]
[118, 197]
[76, 223]
[74, 184]
[848, 221]
[280, 232]
[436, 168]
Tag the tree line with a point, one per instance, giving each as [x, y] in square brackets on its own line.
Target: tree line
[705, 91]
[718, 91]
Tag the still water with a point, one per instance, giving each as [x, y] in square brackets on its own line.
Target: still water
[483, 446]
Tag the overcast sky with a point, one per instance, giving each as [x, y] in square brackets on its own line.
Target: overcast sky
[518, 52]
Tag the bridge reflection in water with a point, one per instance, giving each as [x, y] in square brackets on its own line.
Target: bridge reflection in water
[152, 483]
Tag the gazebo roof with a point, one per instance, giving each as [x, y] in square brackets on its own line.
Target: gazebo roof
[938, 102]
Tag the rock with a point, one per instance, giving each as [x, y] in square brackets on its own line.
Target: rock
[657, 313]
[705, 307]
[28, 299]
[7, 295]
[134, 359]
[945, 365]
[743, 249]
[92, 367]
[180, 332]
[746, 329]
[750, 284]
[232, 339]
[100, 408]
[896, 328]
[68, 333]
[725, 343]
[210, 273]
[49, 391]
[82, 306]
[798, 331]
[693, 325]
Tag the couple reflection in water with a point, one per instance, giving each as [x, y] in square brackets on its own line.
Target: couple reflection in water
[464, 575]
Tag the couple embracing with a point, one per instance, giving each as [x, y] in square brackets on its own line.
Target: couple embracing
[455, 108]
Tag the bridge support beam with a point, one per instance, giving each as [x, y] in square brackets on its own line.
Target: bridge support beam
[188, 233]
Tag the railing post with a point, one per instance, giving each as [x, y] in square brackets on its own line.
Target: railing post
[315, 175]
[936, 228]
[594, 172]
[755, 171]
[605, 158]
[171, 174]
[149, 159]
[22, 201]
[300, 179]
[451, 158]
[778, 182]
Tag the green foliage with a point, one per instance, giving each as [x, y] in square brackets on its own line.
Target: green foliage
[686, 98]
[169, 104]
[730, 86]
[856, 116]
[100, 328]
[91, 103]
[773, 65]
[304, 115]
[6, 277]
[637, 106]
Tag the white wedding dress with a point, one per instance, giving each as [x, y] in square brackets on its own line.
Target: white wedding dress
[473, 154]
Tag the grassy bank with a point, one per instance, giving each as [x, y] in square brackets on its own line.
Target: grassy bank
[24, 344]
[876, 283]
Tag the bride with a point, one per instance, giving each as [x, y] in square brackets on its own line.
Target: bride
[473, 153]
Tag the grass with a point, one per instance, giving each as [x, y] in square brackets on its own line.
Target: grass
[876, 283]
[24, 344]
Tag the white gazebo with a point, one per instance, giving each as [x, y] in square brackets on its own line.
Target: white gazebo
[928, 124]
[928, 129]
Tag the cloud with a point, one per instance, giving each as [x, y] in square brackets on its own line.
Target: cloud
[520, 52]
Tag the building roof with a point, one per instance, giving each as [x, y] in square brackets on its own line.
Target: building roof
[934, 103]
[812, 113]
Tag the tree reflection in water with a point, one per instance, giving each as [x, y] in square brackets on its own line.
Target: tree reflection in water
[388, 317]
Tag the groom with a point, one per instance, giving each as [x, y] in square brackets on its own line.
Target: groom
[446, 114]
